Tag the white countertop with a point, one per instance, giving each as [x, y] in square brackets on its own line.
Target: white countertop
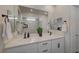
[34, 38]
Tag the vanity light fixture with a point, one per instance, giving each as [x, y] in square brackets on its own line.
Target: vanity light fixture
[31, 19]
[13, 18]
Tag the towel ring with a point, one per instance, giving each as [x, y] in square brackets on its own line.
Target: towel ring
[6, 17]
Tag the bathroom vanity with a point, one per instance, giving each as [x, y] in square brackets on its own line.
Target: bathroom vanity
[36, 44]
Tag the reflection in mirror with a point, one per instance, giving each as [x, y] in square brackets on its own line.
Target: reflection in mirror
[32, 18]
[11, 19]
[56, 24]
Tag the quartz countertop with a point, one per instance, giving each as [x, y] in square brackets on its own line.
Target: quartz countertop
[34, 38]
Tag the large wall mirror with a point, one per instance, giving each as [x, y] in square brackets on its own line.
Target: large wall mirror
[32, 18]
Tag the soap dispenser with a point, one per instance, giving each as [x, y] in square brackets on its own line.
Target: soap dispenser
[50, 33]
[28, 35]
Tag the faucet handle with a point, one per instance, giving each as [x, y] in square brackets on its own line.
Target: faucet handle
[24, 35]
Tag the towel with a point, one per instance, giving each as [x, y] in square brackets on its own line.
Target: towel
[7, 33]
[4, 28]
[64, 27]
[8, 30]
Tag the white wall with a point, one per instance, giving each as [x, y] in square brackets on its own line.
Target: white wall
[78, 28]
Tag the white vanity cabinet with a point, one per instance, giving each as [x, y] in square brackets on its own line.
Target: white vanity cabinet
[32, 48]
[58, 45]
[44, 47]
[47, 46]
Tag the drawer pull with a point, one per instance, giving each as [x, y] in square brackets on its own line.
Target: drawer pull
[44, 43]
[44, 50]
[58, 45]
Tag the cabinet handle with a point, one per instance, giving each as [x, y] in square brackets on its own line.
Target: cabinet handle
[58, 45]
[44, 50]
[44, 43]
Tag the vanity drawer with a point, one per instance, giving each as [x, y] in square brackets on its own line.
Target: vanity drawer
[44, 44]
[44, 47]
[44, 50]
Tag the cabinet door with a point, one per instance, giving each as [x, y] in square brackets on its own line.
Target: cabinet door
[73, 44]
[44, 47]
[58, 45]
[23, 49]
